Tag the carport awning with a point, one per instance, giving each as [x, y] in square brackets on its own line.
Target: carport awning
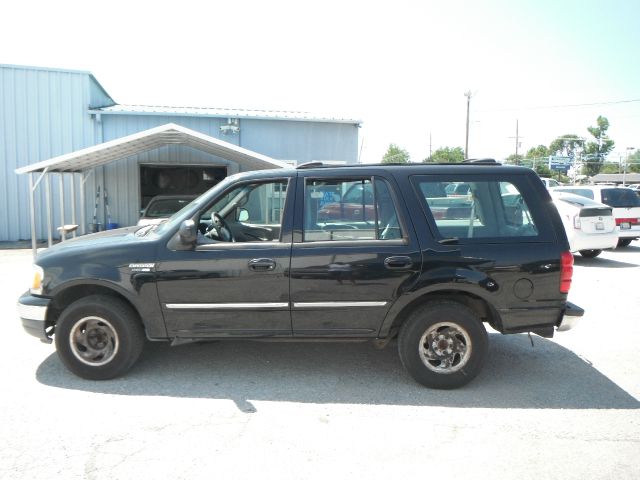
[169, 134]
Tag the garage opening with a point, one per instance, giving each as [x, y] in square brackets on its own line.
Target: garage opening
[177, 180]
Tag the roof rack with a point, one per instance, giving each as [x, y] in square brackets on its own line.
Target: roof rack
[302, 166]
[481, 161]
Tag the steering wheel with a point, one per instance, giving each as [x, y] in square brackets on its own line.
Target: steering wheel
[219, 229]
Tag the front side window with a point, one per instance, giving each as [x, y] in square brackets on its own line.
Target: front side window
[247, 213]
[345, 210]
[490, 209]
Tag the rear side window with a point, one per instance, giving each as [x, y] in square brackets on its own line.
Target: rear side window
[620, 197]
[490, 209]
[583, 192]
[349, 210]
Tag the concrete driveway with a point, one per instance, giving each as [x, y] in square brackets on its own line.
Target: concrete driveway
[566, 408]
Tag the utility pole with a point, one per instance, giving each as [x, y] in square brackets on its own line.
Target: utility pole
[517, 137]
[430, 150]
[466, 143]
[517, 141]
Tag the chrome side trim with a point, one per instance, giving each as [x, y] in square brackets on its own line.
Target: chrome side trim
[224, 306]
[32, 312]
[337, 304]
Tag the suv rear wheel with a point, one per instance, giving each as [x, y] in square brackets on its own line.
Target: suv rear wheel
[99, 337]
[443, 344]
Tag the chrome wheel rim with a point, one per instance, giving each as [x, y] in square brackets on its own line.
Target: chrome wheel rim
[94, 341]
[445, 347]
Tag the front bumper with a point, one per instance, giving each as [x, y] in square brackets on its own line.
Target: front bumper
[570, 318]
[33, 314]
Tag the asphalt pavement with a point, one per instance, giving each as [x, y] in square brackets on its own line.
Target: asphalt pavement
[566, 408]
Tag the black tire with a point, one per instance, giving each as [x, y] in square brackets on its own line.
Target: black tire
[624, 242]
[590, 253]
[99, 337]
[460, 352]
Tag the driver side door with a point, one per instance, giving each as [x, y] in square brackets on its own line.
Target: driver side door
[233, 288]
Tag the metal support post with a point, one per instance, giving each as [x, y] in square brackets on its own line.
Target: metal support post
[48, 202]
[63, 234]
[73, 202]
[32, 209]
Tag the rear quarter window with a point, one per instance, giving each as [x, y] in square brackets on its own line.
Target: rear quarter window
[494, 209]
[620, 198]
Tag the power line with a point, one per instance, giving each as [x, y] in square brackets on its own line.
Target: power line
[574, 105]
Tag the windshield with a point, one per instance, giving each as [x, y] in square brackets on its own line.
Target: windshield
[177, 217]
[577, 200]
[165, 207]
[620, 197]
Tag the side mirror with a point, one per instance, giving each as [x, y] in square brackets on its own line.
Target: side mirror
[142, 212]
[188, 232]
[243, 215]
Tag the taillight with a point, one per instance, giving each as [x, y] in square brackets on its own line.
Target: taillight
[630, 221]
[576, 222]
[566, 271]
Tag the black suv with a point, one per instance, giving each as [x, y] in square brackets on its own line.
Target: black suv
[358, 252]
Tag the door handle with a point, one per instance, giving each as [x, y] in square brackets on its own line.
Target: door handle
[398, 263]
[262, 264]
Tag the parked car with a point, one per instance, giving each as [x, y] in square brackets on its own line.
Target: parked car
[457, 189]
[550, 182]
[162, 207]
[590, 225]
[624, 202]
[278, 270]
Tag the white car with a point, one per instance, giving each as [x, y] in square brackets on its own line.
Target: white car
[590, 225]
[550, 182]
[161, 207]
[624, 203]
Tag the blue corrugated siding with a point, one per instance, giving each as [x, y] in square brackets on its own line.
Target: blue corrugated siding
[301, 141]
[43, 113]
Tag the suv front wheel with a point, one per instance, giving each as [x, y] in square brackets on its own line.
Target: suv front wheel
[443, 344]
[99, 337]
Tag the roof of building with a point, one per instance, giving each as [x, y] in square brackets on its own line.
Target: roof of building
[617, 177]
[151, 139]
[61, 70]
[223, 113]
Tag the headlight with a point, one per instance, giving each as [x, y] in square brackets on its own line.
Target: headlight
[38, 278]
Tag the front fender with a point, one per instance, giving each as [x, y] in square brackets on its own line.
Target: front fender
[139, 289]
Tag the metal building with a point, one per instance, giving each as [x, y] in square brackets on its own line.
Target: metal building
[46, 113]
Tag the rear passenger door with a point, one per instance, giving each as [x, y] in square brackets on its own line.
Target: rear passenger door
[502, 239]
[354, 252]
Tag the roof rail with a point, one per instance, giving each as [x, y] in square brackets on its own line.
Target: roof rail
[482, 161]
[302, 166]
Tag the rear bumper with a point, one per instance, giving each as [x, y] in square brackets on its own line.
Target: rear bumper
[33, 314]
[570, 318]
[595, 241]
[633, 232]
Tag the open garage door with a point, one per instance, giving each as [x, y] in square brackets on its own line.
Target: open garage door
[177, 180]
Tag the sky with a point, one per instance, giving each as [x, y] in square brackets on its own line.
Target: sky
[400, 67]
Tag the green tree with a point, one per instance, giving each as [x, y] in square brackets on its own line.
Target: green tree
[566, 145]
[609, 168]
[395, 154]
[542, 169]
[633, 162]
[446, 155]
[538, 152]
[595, 152]
[514, 159]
